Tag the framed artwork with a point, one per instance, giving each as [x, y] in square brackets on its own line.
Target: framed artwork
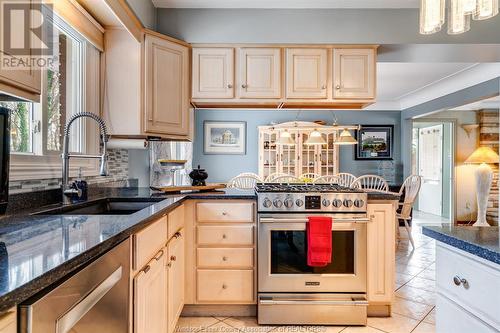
[374, 142]
[224, 137]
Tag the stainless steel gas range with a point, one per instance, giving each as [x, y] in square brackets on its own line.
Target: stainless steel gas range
[290, 291]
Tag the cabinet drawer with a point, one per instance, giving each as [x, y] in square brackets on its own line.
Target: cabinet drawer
[225, 235]
[225, 286]
[225, 212]
[148, 241]
[479, 295]
[8, 322]
[225, 258]
[175, 221]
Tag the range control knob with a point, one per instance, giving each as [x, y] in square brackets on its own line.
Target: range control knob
[326, 202]
[277, 203]
[359, 203]
[299, 202]
[337, 203]
[288, 203]
[267, 203]
[348, 203]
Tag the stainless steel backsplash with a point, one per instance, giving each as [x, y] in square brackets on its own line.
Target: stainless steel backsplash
[173, 150]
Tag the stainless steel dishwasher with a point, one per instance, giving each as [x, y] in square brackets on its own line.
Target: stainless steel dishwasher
[95, 299]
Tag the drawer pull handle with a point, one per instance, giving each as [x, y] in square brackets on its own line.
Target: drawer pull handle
[224, 258]
[224, 213]
[159, 255]
[460, 281]
[224, 286]
[169, 264]
[177, 235]
[173, 258]
[224, 236]
[146, 269]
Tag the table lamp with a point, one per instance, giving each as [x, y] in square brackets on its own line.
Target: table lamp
[484, 176]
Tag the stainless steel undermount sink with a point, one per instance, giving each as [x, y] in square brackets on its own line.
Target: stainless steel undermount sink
[106, 206]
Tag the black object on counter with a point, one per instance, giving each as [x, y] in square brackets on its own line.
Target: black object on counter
[198, 176]
[4, 158]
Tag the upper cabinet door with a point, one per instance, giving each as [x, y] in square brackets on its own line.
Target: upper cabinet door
[306, 73]
[213, 73]
[166, 87]
[260, 72]
[354, 73]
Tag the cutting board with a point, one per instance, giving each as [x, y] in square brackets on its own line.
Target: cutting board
[208, 187]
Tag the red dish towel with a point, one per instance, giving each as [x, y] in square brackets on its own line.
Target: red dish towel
[319, 240]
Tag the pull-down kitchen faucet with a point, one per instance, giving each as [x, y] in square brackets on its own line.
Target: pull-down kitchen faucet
[68, 190]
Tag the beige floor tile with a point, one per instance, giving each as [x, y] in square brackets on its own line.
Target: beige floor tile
[248, 324]
[416, 295]
[431, 317]
[429, 274]
[426, 284]
[220, 327]
[396, 323]
[411, 309]
[361, 329]
[425, 328]
[194, 324]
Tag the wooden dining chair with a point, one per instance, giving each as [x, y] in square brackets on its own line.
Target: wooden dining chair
[410, 188]
[287, 179]
[346, 179]
[371, 182]
[244, 181]
[271, 178]
[329, 179]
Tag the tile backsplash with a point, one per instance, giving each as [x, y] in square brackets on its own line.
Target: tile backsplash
[117, 171]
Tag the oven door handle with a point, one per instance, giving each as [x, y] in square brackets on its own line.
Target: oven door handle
[312, 302]
[292, 220]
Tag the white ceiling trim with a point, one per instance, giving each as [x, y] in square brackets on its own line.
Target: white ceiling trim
[293, 4]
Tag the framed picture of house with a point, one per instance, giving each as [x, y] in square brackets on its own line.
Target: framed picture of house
[225, 137]
[375, 142]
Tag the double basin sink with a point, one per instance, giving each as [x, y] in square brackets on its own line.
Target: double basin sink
[107, 206]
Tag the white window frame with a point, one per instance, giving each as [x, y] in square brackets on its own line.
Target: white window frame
[43, 164]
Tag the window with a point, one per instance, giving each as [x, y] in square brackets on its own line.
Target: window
[37, 128]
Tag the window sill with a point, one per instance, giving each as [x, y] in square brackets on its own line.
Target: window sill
[27, 167]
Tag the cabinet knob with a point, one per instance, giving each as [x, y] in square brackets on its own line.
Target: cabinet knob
[173, 258]
[224, 258]
[337, 87]
[224, 213]
[224, 286]
[323, 87]
[460, 281]
[146, 269]
[177, 234]
[224, 236]
[230, 86]
[244, 86]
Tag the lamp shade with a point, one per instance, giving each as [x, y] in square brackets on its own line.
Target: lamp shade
[483, 155]
[315, 138]
[285, 139]
[346, 138]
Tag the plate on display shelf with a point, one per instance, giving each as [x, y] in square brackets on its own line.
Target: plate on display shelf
[181, 188]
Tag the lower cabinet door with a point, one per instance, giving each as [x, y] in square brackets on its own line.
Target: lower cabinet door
[175, 292]
[150, 302]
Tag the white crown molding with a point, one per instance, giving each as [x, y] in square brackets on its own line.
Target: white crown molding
[294, 4]
[463, 79]
[385, 106]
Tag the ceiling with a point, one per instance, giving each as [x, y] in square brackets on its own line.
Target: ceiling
[286, 3]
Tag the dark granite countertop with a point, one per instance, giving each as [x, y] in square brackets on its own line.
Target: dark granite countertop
[480, 241]
[37, 251]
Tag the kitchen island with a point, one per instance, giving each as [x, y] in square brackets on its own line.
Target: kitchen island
[467, 275]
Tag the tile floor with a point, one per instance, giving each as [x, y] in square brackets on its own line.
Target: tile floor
[413, 309]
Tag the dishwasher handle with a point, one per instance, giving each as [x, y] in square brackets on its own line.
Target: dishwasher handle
[80, 309]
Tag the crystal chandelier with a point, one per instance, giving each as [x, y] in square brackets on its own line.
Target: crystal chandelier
[460, 12]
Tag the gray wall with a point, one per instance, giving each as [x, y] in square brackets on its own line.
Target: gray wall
[378, 26]
[222, 167]
[145, 11]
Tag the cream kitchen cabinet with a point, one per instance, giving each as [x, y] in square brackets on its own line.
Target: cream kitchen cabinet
[259, 72]
[150, 296]
[8, 323]
[175, 271]
[306, 73]
[381, 252]
[146, 86]
[354, 73]
[23, 83]
[213, 73]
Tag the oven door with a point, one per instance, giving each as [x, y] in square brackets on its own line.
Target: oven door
[283, 256]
